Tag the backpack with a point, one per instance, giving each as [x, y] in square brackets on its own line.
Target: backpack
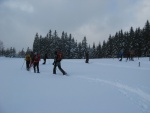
[59, 56]
[27, 57]
[36, 58]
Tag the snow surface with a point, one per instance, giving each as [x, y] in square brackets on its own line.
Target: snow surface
[102, 86]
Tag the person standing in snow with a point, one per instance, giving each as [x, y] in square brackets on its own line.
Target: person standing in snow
[121, 55]
[57, 62]
[45, 57]
[36, 62]
[87, 57]
[131, 55]
[28, 59]
[128, 55]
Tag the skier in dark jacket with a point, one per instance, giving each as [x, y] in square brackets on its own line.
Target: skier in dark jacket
[57, 62]
[45, 57]
[87, 57]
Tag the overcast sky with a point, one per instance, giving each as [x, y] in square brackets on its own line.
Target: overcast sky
[20, 20]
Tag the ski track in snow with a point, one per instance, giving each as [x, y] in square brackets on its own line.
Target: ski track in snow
[124, 89]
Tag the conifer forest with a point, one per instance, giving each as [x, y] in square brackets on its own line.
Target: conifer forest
[137, 40]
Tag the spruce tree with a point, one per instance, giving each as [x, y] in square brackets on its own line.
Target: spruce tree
[98, 51]
[1, 48]
[36, 43]
[146, 36]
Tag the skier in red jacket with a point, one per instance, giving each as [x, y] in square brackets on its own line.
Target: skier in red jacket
[57, 62]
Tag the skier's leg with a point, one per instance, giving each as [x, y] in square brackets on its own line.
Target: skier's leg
[54, 69]
[59, 66]
[28, 67]
[44, 61]
[34, 65]
[86, 61]
[37, 67]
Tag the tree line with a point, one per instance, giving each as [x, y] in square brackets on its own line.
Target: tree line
[137, 40]
[69, 47]
[9, 52]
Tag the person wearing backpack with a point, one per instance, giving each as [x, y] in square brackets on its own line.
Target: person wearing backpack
[36, 62]
[57, 62]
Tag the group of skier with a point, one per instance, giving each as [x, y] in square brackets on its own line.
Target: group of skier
[32, 59]
[129, 55]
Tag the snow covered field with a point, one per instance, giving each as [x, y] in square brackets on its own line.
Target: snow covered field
[102, 86]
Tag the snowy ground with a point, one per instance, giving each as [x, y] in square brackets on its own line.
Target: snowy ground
[102, 86]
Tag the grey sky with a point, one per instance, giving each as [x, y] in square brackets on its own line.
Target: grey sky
[20, 20]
